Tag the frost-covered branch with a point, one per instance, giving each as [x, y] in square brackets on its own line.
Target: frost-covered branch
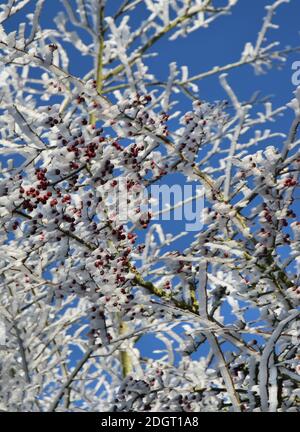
[134, 212]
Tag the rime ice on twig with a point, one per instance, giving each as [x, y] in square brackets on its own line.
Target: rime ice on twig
[87, 269]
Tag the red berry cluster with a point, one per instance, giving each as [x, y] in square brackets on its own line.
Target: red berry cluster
[290, 182]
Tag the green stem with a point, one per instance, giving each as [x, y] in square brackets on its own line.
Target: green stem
[124, 355]
[155, 38]
[123, 327]
[99, 68]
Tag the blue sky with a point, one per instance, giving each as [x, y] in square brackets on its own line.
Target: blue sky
[220, 44]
